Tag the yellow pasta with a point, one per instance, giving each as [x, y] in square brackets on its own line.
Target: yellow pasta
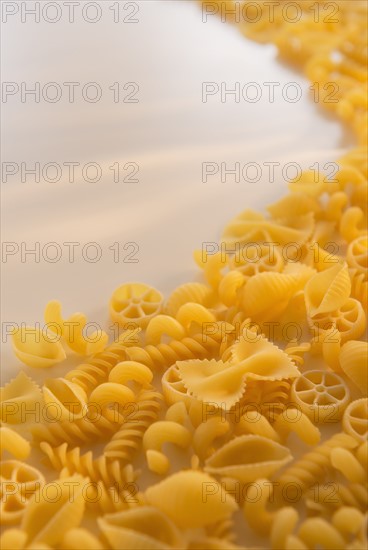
[163, 325]
[14, 443]
[206, 433]
[135, 303]
[196, 293]
[320, 395]
[231, 356]
[18, 482]
[18, 397]
[80, 539]
[293, 420]
[247, 458]
[72, 330]
[127, 371]
[53, 511]
[143, 527]
[191, 499]
[354, 363]
[65, 400]
[156, 435]
[327, 290]
[37, 348]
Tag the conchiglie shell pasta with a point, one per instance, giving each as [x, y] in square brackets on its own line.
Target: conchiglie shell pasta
[36, 348]
[328, 290]
[142, 528]
[354, 363]
[247, 458]
[191, 499]
[197, 293]
[266, 295]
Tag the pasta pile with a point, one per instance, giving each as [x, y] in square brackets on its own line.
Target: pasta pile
[243, 397]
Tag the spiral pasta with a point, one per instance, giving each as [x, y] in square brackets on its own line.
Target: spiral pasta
[312, 467]
[129, 437]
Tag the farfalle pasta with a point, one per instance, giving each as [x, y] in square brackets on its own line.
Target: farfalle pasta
[211, 388]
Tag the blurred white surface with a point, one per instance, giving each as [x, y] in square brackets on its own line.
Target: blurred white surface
[169, 53]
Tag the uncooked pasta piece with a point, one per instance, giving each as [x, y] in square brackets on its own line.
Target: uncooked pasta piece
[213, 381]
[52, 511]
[191, 313]
[293, 420]
[251, 226]
[72, 330]
[157, 435]
[320, 395]
[261, 359]
[252, 422]
[354, 363]
[206, 433]
[18, 396]
[328, 290]
[37, 348]
[197, 293]
[19, 481]
[212, 265]
[266, 295]
[191, 499]
[135, 303]
[14, 443]
[163, 325]
[349, 320]
[16, 539]
[64, 399]
[142, 527]
[357, 255]
[112, 393]
[80, 539]
[247, 458]
[283, 524]
[127, 371]
[355, 419]
[344, 461]
[173, 387]
[230, 286]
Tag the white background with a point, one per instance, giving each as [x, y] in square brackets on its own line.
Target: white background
[169, 133]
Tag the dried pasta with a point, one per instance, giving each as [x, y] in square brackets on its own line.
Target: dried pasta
[17, 397]
[213, 369]
[37, 348]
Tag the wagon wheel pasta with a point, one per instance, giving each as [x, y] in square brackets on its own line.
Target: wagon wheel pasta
[355, 419]
[321, 395]
[212, 376]
[135, 303]
[18, 483]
